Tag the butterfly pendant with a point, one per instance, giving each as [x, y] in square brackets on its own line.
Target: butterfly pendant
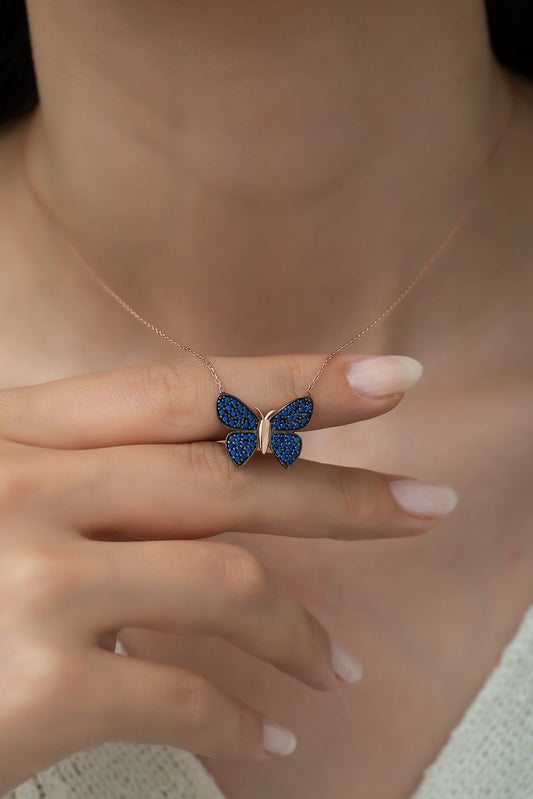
[271, 432]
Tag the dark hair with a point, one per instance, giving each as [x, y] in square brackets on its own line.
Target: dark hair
[510, 24]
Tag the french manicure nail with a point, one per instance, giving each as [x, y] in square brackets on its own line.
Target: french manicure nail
[277, 739]
[383, 375]
[344, 666]
[424, 499]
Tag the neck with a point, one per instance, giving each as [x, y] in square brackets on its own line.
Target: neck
[189, 148]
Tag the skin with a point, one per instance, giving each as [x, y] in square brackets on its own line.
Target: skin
[256, 174]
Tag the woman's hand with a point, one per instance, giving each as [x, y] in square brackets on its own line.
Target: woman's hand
[132, 454]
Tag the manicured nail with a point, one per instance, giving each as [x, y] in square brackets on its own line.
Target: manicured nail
[277, 739]
[424, 499]
[383, 375]
[344, 666]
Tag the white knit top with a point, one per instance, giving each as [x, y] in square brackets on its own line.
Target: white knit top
[489, 755]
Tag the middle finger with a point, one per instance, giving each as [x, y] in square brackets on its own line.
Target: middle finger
[193, 491]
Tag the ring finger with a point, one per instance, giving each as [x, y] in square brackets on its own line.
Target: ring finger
[207, 588]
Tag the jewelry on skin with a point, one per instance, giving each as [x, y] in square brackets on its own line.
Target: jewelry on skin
[274, 431]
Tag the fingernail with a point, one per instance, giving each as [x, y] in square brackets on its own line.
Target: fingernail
[383, 375]
[277, 739]
[344, 666]
[424, 499]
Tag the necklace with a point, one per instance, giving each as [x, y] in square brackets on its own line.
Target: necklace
[275, 430]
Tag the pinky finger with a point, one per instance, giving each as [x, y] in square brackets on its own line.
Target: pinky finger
[152, 703]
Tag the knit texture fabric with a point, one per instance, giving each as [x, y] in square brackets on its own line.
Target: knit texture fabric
[489, 755]
[123, 771]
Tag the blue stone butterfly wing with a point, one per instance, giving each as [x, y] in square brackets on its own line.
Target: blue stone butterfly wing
[234, 413]
[242, 442]
[294, 415]
[241, 446]
[286, 447]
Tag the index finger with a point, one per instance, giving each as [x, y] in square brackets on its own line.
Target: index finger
[175, 401]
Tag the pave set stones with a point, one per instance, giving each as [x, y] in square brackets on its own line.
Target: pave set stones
[272, 431]
[235, 414]
[295, 415]
[286, 447]
[241, 446]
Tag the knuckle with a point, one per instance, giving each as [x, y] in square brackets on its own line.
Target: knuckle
[72, 696]
[200, 709]
[47, 582]
[244, 578]
[346, 497]
[35, 577]
[296, 377]
[38, 679]
[299, 635]
[248, 738]
[359, 501]
[196, 708]
[19, 483]
[171, 390]
[56, 678]
[208, 462]
[298, 640]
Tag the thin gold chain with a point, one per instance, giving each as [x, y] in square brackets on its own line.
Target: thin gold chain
[444, 243]
[440, 249]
